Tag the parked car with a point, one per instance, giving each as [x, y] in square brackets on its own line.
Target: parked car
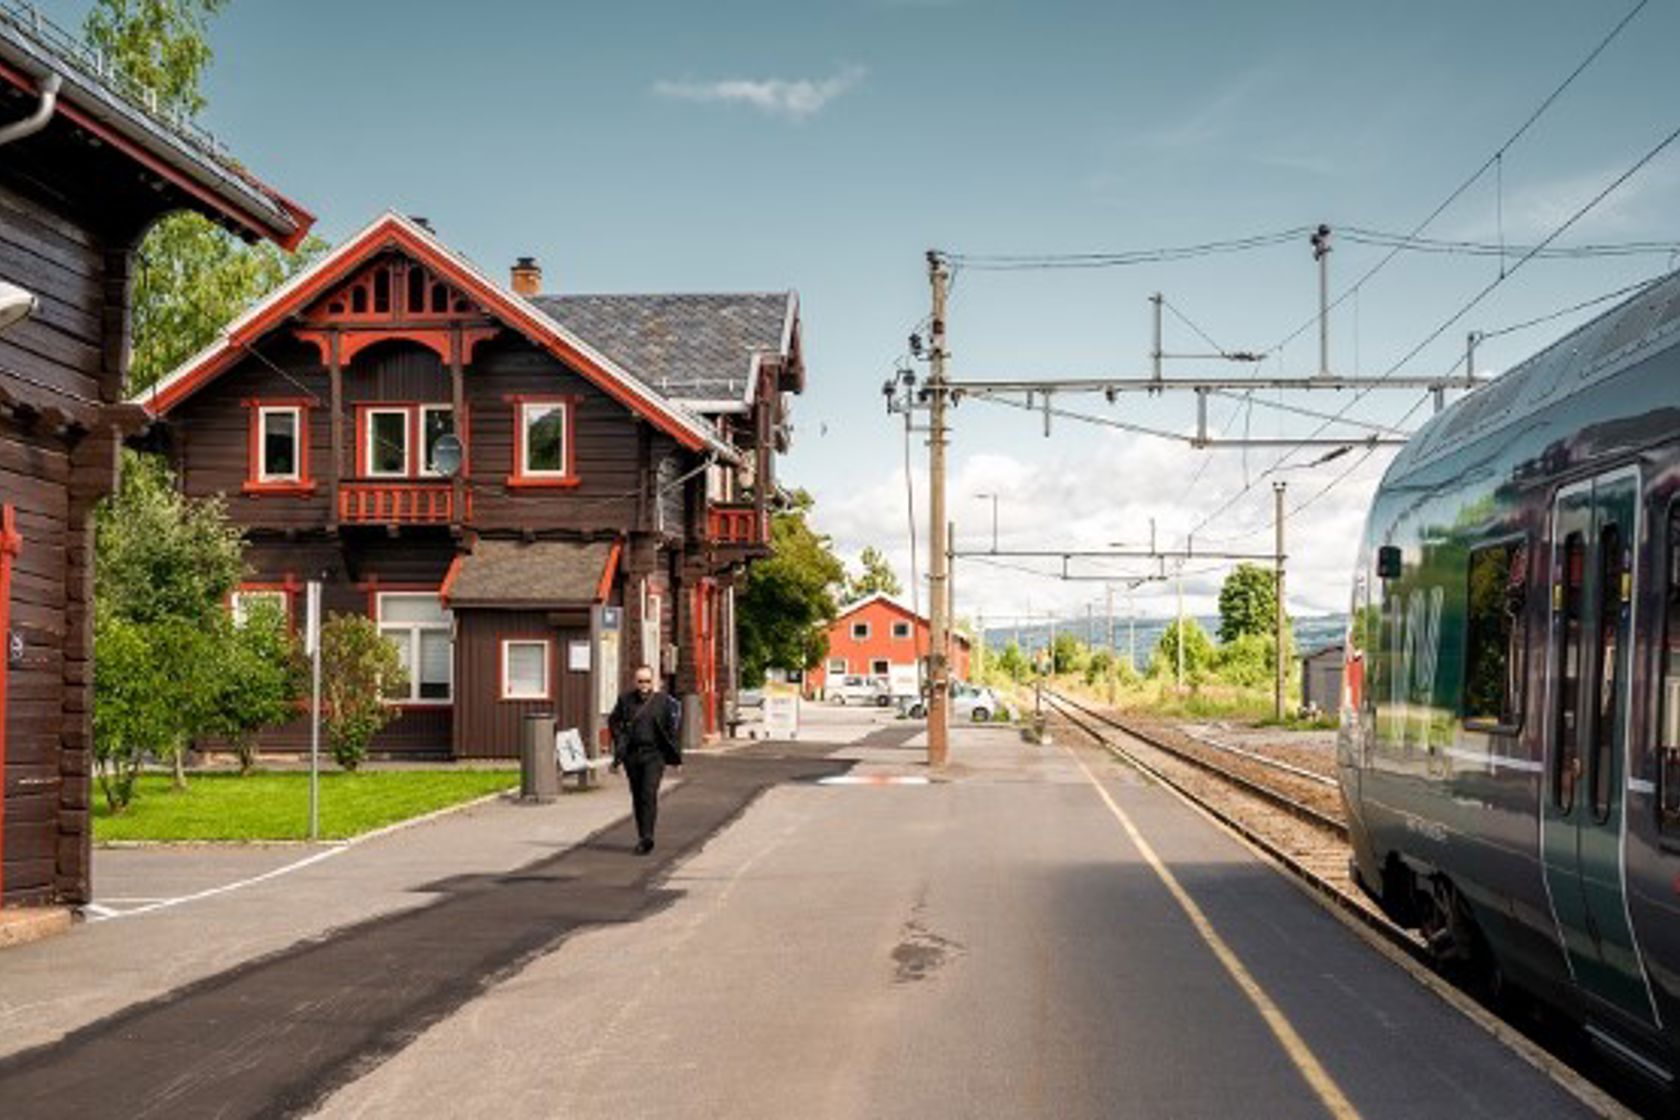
[968, 701]
[859, 690]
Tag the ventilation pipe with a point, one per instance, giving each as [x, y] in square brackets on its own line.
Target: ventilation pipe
[37, 120]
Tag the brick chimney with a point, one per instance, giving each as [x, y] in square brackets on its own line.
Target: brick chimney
[527, 276]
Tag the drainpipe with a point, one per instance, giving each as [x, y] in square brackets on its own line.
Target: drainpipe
[37, 120]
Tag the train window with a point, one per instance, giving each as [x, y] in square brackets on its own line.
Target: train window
[1612, 568]
[1566, 761]
[1668, 724]
[1494, 638]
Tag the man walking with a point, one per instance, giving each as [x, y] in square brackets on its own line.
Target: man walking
[644, 739]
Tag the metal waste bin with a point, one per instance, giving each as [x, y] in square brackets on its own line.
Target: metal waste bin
[539, 766]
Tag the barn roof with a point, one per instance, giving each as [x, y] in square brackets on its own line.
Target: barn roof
[700, 348]
[98, 98]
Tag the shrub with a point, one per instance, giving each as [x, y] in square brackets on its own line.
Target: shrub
[359, 668]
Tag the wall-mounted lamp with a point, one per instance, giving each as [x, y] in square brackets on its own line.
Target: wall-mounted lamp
[16, 304]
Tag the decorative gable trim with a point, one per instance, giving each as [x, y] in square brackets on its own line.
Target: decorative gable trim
[394, 232]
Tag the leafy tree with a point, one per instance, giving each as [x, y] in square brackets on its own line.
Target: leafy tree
[193, 277]
[1248, 602]
[1071, 654]
[359, 669]
[1012, 662]
[786, 602]
[1248, 660]
[145, 696]
[1198, 651]
[1099, 665]
[261, 676]
[877, 576]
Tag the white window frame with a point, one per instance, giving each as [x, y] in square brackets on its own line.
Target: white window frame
[413, 630]
[367, 440]
[240, 597]
[263, 413]
[525, 410]
[547, 648]
[420, 414]
[860, 631]
[837, 666]
[901, 631]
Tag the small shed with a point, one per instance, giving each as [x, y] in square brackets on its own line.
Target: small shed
[1321, 678]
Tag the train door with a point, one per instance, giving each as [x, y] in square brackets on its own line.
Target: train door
[1594, 530]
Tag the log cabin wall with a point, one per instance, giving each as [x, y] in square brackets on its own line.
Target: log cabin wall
[487, 726]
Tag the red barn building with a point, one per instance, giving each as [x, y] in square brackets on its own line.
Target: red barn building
[876, 637]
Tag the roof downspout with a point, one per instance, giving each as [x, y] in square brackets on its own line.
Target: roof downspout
[37, 120]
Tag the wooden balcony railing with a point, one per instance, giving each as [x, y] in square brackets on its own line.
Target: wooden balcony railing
[398, 502]
[737, 526]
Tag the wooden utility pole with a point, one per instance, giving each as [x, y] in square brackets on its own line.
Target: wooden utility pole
[939, 622]
[1113, 656]
[1278, 489]
[1180, 642]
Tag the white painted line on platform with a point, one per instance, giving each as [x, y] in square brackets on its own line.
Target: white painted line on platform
[872, 780]
[1293, 1044]
[97, 913]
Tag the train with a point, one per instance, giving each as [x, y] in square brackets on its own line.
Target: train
[1509, 743]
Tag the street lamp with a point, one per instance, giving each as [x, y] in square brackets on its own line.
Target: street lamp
[994, 499]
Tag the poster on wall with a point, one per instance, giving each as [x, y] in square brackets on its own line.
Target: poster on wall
[607, 668]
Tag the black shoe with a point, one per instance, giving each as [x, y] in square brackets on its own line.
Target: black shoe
[643, 847]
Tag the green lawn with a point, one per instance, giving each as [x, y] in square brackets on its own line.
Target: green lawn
[275, 806]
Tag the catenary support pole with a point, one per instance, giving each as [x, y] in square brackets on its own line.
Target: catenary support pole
[1278, 489]
[1180, 642]
[938, 749]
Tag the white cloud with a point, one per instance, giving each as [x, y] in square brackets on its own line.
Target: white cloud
[795, 100]
[1092, 501]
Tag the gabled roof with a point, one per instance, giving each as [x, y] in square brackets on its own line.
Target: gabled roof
[700, 348]
[542, 574]
[114, 109]
[896, 604]
[393, 231]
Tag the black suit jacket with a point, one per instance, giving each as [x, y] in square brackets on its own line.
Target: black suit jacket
[663, 713]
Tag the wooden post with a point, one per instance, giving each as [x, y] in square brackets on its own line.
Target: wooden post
[10, 545]
[335, 473]
[458, 416]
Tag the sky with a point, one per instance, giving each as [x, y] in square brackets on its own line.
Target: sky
[825, 147]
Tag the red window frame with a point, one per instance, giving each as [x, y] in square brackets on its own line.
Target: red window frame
[416, 439]
[288, 588]
[550, 673]
[254, 484]
[11, 545]
[519, 479]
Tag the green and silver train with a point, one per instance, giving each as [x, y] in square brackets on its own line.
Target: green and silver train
[1509, 752]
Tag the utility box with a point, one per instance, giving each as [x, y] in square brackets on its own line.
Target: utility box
[539, 768]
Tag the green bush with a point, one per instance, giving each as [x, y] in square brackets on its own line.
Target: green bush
[359, 668]
[1247, 661]
[1199, 653]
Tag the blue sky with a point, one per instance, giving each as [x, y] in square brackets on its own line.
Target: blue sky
[824, 147]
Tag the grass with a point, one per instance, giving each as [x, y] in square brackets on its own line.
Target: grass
[275, 806]
[1208, 700]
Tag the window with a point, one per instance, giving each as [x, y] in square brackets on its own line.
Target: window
[860, 631]
[282, 446]
[837, 666]
[901, 630]
[1494, 636]
[525, 669]
[880, 667]
[1613, 589]
[419, 626]
[542, 442]
[279, 447]
[436, 421]
[1566, 764]
[1668, 719]
[241, 602]
[385, 442]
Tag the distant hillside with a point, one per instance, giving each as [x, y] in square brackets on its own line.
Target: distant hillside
[1310, 633]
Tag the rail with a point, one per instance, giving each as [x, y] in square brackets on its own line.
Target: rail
[738, 525]
[397, 503]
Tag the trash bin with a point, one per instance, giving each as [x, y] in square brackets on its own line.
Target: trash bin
[539, 766]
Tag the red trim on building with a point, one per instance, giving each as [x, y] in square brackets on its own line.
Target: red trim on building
[389, 232]
[11, 544]
[288, 241]
[551, 683]
[519, 479]
[450, 576]
[254, 485]
[607, 574]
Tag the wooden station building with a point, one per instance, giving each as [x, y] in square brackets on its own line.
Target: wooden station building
[617, 452]
[86, 167]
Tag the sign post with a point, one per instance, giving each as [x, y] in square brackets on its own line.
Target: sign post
[312, 645]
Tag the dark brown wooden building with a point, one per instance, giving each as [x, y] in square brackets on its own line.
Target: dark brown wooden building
[85, 169]
[618, 464]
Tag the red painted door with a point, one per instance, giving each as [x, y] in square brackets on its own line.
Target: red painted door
[10, 545]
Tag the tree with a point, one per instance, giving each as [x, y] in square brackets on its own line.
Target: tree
[1248, 602]
[261, 676]
[359, 669]
[1012, 662]
[786, 602]
[1099, 666]
[193, 277]
[145, 702]
[877, 576]
[1070, 654]
[1198, 651]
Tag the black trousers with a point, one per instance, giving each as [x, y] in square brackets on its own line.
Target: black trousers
[645, 771]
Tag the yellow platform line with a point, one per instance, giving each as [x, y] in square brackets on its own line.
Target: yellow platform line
[1293, 1044]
